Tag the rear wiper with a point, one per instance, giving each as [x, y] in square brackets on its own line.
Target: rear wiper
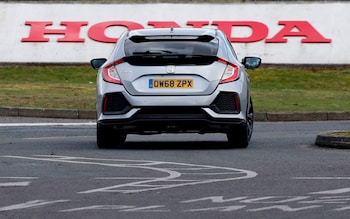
[153, 52]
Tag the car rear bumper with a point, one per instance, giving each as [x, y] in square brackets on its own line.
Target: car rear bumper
[196, 120]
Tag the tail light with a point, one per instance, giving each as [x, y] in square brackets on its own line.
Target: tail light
[110, 73]
[231, 72]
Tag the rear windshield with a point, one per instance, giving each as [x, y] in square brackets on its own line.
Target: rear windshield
[153, 51]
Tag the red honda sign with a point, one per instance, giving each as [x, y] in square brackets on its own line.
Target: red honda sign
[71, 30]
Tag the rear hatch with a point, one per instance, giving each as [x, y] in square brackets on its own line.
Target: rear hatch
[171, 65]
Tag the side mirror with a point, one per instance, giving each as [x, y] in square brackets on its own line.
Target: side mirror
[251, 62]
[97, 63]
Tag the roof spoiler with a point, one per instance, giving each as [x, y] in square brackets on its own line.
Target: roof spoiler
[201, 38]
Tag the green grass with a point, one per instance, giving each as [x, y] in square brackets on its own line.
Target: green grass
[69, 87]
[340, 134]
[274, 89]
[301, 89]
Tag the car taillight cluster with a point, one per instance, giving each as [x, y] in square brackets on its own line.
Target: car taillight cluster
[231, 72]
[110, 73]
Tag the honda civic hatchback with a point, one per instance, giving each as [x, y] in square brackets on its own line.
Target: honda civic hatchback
[173, 80]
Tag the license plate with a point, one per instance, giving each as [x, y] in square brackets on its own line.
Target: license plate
[171, 83]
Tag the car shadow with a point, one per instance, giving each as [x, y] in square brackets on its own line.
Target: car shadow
[174, 145]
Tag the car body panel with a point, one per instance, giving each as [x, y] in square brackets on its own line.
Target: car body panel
[160, 89]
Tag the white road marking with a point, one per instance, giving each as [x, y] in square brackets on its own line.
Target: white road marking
[222, 173]
[328, 200]
[323, 178]
[245, 199]
[152, 208]
[127, 208]
[183, 174]
[297, 203]
[98, 207]
[187, 174]
[343, 208]
[30, 204]
[198, 168]
[284, 208]
[332, 192]
[275, 199]
[17, 177]
[124, 178]
[215, 199]
[59, 137]
[47, 124]
[221, 208]
[14, 184]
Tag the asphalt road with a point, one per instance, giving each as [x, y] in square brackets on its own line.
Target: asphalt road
[53, 169]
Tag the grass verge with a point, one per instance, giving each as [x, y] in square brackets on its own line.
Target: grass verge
[274, 89]
[288, 89]
[68, 87]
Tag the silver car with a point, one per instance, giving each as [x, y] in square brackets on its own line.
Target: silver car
[173, 80]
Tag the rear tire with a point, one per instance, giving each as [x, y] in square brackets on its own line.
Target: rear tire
[250, 119]
[239, 137]
[108, 138]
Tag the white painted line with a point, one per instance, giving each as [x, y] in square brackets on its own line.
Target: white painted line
[128, 208]
[221, 208]
[59, 137]
[285, 208]
[30, 204]
[322, 178]
[181, 180]
[171, 175]
[98, 207]
[145, 178]
[152, 208]
[215, 199]
[212, 174]
[46, 124]
[332, 192]
[343, 208]
[177, 178]
[198, 168]
[147, 186]
[14, 184]
[125, 178]
[17, 177]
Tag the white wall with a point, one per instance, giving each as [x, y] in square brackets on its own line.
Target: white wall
[330, 20]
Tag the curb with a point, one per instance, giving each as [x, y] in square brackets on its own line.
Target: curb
[47, 113]
[301, 116]
[91, 114]
[333, 140]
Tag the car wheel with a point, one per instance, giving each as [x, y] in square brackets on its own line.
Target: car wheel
[109, 138]
[239, 137]
[250, 120]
